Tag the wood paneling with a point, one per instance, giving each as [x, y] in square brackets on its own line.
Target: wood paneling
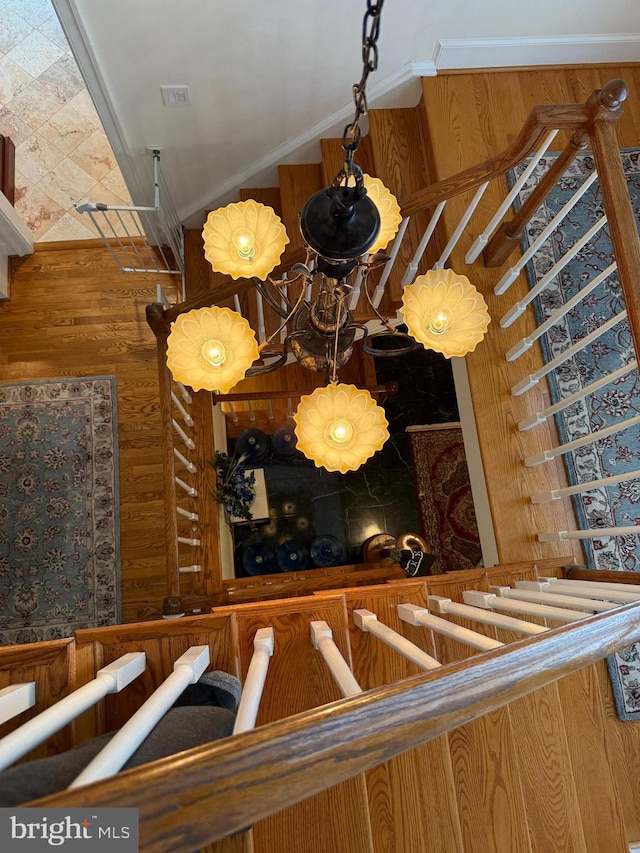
[297, 184]
[422, 777]
[298, 680]
[51, 666]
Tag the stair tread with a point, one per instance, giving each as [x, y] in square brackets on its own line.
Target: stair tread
[270, 196]
[297, 184]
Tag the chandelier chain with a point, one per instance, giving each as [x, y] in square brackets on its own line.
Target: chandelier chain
[370, 33]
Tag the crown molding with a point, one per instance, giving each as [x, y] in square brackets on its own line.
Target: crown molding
[542, 50]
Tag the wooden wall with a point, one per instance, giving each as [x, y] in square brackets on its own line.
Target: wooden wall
[72, 313]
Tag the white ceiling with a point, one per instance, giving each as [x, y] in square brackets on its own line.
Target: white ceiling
[267, 79]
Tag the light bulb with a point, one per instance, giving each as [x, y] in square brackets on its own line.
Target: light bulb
[340, 431]
[214, 353]
[244, 242]
[439, 324]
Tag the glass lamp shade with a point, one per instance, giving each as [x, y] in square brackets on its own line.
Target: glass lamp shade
[211, 349]
[444, 312]
[244, 239]
[339, 427]
[389, 211]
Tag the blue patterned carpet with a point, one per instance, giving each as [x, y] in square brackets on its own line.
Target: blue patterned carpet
[59, 550]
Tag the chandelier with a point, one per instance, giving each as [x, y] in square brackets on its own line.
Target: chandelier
[346, 227]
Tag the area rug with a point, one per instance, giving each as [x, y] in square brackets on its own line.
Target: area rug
[59, 535]
[617, 505]
[444, 497]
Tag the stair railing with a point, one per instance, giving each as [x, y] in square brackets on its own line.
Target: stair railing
[246, 778]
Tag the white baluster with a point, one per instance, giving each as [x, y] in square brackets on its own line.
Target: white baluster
[412, 269]
[386, 272]
[491, 601]
[192, 516]
[444, 257]
[186, 487]
[357, 284]
[186, 417]
[15, 699]
[254, 682]
[191, 468]
[532, 379]
[533, 591]
[601, 532]
[602, 483]
[234, 416]
[420, 616]
[552, 453]
[511, 275]
[567, 587]
[270, 410]
[518, 308]
[109, 679]
[236, 303]
[260, 310]
[486, 617]
[631, 588]
[540, 417]
[252, 414]
[322, 639]
[185, 540]
[186, 670]
[186, 396]
[368, 621]
[188, 443]
[482, 240]
[527, 342]
[189, 570]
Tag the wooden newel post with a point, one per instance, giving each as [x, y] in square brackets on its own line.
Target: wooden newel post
[615, 196]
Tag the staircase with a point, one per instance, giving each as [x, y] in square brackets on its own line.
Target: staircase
[484, 752]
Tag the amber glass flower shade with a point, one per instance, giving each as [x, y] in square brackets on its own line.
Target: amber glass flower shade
[339, 427]
[389, 211]
[243, 240]
[444, 312]
[211, 349]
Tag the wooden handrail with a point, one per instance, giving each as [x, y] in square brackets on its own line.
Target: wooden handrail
[539, 121]
[213, 791]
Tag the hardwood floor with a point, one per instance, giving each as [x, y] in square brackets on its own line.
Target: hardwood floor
[72, 313]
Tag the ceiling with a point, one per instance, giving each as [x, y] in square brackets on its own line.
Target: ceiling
[268, 80]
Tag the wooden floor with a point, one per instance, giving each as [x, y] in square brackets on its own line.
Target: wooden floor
[72, 313]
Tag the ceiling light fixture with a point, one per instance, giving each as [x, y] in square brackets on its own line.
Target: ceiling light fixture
[345, 227]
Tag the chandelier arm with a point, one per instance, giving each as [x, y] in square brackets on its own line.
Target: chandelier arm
[385, 323]
[287, 318]
[264, 292]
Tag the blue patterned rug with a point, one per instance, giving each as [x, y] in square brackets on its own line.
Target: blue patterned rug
[618, 505]
[59, 534]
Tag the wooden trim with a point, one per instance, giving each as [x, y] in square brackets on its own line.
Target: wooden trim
[209, 580]
[246, 778]
[582, 573]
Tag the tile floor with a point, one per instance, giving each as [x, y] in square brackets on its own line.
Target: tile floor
[62, 153]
